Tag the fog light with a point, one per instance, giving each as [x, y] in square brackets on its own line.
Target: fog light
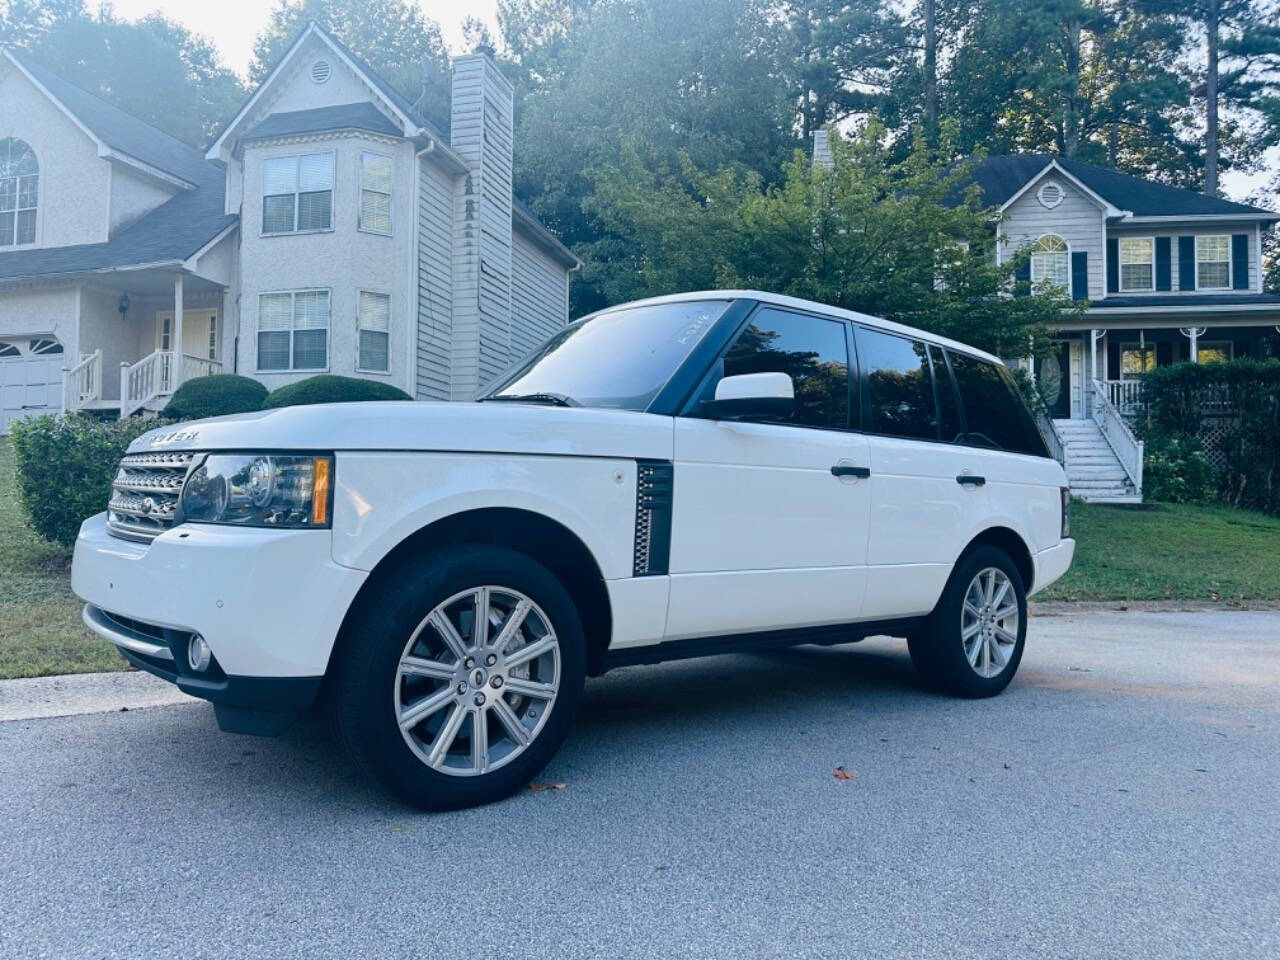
[198, 654]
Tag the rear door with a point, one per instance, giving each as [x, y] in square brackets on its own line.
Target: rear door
[924, 506]
[764, 535]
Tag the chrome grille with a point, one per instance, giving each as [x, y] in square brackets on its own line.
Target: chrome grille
[144, 494]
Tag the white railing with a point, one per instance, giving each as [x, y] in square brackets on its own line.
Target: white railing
[1127, 447]
[1052, 439]
[147, 379]
[193, 367]
[152, 377]
[1125, 395]
[82, 384]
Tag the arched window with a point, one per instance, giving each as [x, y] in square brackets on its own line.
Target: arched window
[1050, 262]
[19, 176]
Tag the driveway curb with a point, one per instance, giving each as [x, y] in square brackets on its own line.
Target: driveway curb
[75, 694]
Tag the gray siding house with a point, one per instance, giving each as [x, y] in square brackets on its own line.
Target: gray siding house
[1169, 276]
[329, 228]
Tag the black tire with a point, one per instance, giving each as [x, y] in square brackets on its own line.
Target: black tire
[365, 677]
[937, 651]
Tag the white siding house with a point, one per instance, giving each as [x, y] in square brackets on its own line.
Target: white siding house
[329, 228]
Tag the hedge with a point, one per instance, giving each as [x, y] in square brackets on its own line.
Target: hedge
[327, 388]
[1243, 398]
[65, 465]
[215, 396]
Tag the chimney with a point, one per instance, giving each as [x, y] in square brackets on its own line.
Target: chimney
[481, 133]
[822, 149]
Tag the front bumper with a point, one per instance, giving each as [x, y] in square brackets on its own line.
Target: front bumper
[268, 603]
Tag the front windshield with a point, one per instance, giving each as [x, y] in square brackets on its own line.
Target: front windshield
[618, 359]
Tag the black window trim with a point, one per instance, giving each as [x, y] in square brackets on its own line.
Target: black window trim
[708, 367]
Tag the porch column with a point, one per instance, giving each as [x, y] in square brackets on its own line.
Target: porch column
[175, 345]
[1194, 334]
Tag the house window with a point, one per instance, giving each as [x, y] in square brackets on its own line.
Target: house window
[1050, 262]
[1135, 360]
[1213, 263]
[293, 330]
[297, 193]
[1214, 351]
[374, 323]
[19, 187]
[1137, 263]
[375, 193]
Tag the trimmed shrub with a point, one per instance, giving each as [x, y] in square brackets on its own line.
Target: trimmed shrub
[215, 396]
[1240, 402]
[65, 465]
[1175, 471]
[327, 388]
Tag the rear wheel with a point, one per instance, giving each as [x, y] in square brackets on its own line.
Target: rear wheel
[972, 643]
[462, 678]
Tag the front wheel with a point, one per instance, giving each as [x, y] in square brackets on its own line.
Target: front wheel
[972, 643]
[462, 677]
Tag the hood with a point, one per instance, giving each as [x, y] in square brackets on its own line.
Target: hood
[427, 426]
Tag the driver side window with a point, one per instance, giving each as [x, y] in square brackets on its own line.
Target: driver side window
[811, 350]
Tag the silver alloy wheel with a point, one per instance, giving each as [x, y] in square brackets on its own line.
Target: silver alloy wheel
[477, 681]
[989, 622]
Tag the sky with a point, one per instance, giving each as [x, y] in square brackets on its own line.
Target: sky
[232, 25]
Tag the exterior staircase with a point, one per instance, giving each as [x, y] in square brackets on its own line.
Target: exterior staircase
[1093, 469]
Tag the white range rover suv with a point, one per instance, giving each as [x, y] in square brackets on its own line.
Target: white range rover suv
[681, 476]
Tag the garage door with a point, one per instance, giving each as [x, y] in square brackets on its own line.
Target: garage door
[30, 378]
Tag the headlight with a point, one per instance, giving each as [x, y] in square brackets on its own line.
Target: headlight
[259, 490]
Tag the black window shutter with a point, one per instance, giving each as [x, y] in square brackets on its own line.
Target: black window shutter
[1164, 265]
[1240, 261]
[1022, 280]
[1080, 275]
[1186, 263]
[1113, 265]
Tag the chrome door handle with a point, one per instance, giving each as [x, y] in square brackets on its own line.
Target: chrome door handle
[849, 470]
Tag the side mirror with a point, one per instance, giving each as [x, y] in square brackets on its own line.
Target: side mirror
[770, 396]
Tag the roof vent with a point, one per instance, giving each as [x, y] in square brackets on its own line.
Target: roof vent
[320, 71]
[1050, 195]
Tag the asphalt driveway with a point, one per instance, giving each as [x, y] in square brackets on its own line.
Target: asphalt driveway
[1119, 800]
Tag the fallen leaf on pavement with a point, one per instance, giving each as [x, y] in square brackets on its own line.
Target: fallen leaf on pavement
[539, 787]
[840, 773]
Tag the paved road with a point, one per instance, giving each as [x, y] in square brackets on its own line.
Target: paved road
[1119, 800]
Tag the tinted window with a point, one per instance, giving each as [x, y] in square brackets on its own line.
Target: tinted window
[995, 413]
[618, 359]
[951, 430]
[899, 386]
[811, 350]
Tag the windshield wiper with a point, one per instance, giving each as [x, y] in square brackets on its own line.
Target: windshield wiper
[549, 399]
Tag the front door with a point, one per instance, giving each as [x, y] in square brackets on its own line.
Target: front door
[765, 536]
[1053, 379]
[201, 333]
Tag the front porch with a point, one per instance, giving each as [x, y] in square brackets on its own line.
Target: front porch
[140, 340]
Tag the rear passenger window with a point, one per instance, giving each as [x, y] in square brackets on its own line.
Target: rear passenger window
[950, 429]
[899, 386]
[995, 413]
[811, 350]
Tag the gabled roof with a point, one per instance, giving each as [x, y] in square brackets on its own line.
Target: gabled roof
[535, 229]
[113, 129]
[1003, 177]
[411, 118]
[347, 116]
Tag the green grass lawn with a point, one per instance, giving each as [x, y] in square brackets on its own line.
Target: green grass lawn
[1171, 552]
[40, 628]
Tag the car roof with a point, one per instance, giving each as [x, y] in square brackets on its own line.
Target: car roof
[810, 306]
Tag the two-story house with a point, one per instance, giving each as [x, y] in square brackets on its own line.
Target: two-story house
[329, 228]
[1169, 275]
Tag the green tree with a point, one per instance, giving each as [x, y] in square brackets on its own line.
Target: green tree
[392, 35]
[153, 68]
[903, 239]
